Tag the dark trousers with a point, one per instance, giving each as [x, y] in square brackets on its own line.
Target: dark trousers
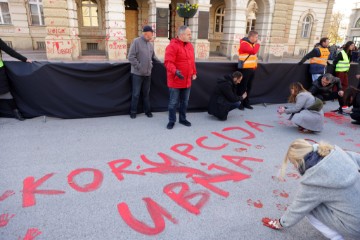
[344, 79]
[178, 95]
[331, 96]
[246, 84]
[140, 84]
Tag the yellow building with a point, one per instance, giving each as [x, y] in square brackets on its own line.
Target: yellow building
[70, 29]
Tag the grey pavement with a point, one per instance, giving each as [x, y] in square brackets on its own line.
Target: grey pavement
[74, 156]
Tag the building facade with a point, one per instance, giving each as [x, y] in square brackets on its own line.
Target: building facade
[69, 29]
[353, 33]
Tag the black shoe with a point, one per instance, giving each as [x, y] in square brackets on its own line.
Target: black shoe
[241, 107]
[132, 115]
[355, 122]
[185, 122]
[18, 115]
[248, 106]
[170, 125]
[149, 115]
[340, 111]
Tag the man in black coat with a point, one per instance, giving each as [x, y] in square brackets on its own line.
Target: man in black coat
[323, 88]
[224, 98]
[4, 81]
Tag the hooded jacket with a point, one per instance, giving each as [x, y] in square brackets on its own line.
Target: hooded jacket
[180, 56]
[223, 95]
[330, 191]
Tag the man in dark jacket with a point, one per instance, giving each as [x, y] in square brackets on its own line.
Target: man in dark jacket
[224, 98]
[4, 81]
[141, 58]
[322, 88]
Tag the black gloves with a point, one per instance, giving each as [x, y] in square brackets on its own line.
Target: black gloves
[179, 75]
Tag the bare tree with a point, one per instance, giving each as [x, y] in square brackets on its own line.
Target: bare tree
[335, 25]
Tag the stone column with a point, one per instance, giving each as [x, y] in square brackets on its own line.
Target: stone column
[199, 26]
[116, 43]
[62, 41]
[234, 27]
[158, 12]
[19, 26]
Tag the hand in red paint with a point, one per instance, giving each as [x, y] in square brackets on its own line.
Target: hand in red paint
[281, 193]
[257, 204]
[31, 234]
[6, 194]
[271, 223]
[5, 218]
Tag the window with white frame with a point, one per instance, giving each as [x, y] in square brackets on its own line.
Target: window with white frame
[306, 27]
[219, 19]
[90, 13]
[36, 12]
[4, 12]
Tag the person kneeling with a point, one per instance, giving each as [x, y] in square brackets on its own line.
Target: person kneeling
[224, 98]
[352, 98]
[307, 112]
[328, 193]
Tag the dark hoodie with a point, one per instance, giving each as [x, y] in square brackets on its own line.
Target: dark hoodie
[223, 96]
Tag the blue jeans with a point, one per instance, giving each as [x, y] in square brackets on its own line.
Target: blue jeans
[140, 84]
[178, 95]
[234, 105]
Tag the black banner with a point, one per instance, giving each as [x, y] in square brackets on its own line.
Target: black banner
[79, 90]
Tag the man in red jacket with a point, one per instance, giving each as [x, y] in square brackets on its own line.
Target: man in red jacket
[180, 68]
[248, 49]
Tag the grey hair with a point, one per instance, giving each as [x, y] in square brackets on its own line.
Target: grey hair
[328, 76]
[182, 29]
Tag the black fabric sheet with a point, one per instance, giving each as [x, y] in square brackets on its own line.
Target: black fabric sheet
[79, 90]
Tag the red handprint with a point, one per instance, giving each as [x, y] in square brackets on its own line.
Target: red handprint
[342, 133]
[293, 175]
[282, 207]
[278, 179]
[281, 193]
[6, 194]
[256, 204]
[31, 234]
[5, 218]
[240, 150]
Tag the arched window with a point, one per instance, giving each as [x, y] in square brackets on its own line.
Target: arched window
[90, 13]
[219, 19]
[36, 12]
[357, 25]
[306, 27]
[4, 12]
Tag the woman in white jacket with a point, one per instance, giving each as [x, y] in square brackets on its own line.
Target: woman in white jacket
[329, 190]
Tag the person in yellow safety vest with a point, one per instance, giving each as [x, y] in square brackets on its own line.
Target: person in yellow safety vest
[318, 58]
[4, 81]
[248, 49]
[342, 64]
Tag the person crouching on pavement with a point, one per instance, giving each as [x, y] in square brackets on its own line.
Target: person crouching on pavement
[322, 88]
[329, 190]
[306, 112]
[224, 98]
[352, 98]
